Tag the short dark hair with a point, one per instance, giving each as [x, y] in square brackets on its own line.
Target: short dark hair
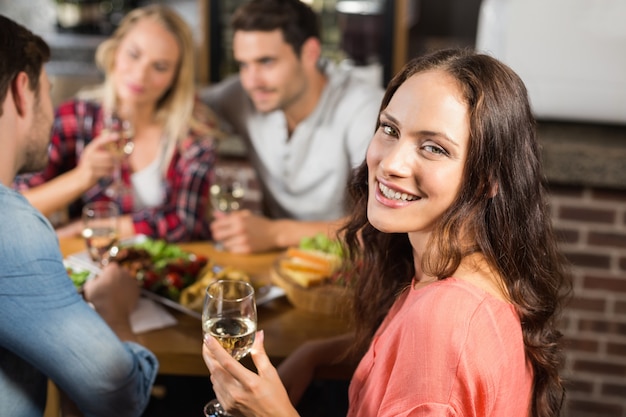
[297, 21]
[20, 50]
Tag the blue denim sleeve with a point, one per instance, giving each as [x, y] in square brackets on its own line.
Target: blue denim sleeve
[48, 331]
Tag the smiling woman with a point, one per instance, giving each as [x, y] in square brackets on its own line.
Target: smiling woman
[148, 65]
[453, 308]
[417, 156]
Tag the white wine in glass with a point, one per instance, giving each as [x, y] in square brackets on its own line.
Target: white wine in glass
[227, 190]
[100, 230]
[120, 148]
[229, 316]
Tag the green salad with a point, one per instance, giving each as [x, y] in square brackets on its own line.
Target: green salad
[322, 243]
[78, 277]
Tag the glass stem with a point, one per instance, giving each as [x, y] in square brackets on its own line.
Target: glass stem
[114, 189]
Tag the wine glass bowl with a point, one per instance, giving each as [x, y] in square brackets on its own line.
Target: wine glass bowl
[100, 230]
[227, 189]
[229, 315]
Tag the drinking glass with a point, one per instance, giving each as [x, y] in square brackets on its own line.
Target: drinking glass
[120, 148]
[229, 315]
[228, 189]
[100, 230]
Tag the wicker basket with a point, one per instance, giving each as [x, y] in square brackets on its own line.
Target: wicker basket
[324, 299]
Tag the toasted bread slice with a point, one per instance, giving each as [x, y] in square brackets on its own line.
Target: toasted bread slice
[324, 262]
[308, 267]
[303, 278]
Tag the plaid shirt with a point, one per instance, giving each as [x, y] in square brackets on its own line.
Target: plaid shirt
[181, 216]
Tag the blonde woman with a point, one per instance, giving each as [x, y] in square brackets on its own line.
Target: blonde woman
[148, 65]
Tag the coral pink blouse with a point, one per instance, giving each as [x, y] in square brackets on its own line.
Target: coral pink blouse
[447, 349]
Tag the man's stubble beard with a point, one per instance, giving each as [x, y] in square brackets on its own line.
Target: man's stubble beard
[36, 154]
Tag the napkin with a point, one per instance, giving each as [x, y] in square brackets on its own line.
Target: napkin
[148, 315]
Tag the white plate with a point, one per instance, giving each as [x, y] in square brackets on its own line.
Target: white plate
[264, 295]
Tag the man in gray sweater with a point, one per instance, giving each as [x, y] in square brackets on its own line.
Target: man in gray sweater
[306, 124]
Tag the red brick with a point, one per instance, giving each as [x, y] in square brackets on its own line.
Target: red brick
[622, 263]
[578, 385]
[620, 307]
[600, 408]
[602, 326]
[566, 235]
[565, 190]
[587, 304]
[584, 345]
[616, 349]
[618, 390]
[586, 214]
[583, 259]
[600, 368]
[613, 284]
[607, 239]
[608, 194]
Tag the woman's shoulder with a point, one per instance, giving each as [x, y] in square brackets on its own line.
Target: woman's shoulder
[466, 318]
[460, 301]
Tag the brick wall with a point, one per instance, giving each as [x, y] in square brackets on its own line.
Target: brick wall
[591, 223]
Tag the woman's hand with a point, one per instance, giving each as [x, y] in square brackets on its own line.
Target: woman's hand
[96, 161]
[240, 391]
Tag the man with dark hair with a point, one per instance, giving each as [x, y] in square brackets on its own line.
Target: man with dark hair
[306, 124]
[47, 330]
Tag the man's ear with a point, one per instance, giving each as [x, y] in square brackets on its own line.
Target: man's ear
[311, 51]
[20, 90]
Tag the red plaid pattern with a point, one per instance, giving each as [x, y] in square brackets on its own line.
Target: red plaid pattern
[181, 217]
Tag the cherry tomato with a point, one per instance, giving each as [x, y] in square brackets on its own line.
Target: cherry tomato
[174, 279]
[150, 279]
[201, 259]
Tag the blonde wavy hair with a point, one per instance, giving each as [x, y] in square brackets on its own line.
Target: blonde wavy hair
[177, 109]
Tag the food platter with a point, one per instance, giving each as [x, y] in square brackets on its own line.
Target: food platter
[264, 295]
[183, 263]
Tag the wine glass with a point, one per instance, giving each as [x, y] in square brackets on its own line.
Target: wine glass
[229, 315]
[228, 189]
[100, 230]
[120, 148]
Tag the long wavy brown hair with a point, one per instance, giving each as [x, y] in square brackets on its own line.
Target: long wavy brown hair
[512, 229]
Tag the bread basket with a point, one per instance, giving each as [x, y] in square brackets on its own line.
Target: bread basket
[326, 299]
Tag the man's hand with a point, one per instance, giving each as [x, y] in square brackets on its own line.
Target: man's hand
[114, 294]
[244, 232]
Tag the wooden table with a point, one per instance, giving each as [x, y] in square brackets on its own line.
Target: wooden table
[286, 328]
[178, 348]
